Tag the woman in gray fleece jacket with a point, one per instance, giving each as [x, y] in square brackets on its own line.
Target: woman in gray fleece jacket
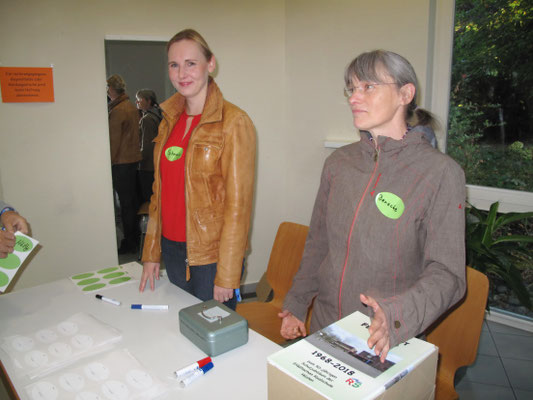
[387, 232]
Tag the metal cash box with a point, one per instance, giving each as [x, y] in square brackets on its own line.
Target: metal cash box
[213, 327]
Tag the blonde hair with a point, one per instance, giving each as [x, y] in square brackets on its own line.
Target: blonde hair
[191, 34]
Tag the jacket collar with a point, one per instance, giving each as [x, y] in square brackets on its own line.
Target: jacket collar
[212, 112]
[118, 100]
[418, 134]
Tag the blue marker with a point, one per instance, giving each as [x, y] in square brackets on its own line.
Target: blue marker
[238, 294]
[149, 306]
[196, 374]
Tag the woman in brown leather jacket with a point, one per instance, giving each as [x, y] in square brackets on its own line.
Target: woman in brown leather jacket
[204, 162]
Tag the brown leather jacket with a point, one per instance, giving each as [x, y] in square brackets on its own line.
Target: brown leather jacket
[219, 180]
[124, 131]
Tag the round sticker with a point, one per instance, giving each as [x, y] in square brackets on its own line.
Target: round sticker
[97, 371]
[113, 275]
[44, 391]
[88, 281]
[120, 280]
[46, 335]
[4, 279]
[67, 328]
[82, 341]
[36, 358]
[106, 270]
[88, 396]
[115, 390]
[390, 205]
[22, 343]
[173, 153]
[96, 286]
[10, 262]
[71, 382]
[83, 276]
[23, 244]
[60, 350]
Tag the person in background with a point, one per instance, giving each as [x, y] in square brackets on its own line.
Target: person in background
[125, 156]
[151, 117]
[11, 222]
[204, 161]
[387, 232]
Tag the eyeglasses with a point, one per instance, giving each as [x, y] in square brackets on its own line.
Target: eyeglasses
[364, 89]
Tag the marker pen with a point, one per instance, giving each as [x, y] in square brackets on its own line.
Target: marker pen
[397, 377]
[182, 373]
[238, 294]
[108, 300]
[196, 374]
[149, 306]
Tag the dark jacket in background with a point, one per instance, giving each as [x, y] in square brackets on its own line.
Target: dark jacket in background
[148, 125]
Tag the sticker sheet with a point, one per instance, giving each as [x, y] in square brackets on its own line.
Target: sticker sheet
[114, 376]
[44, 350]
[10, 265]
[102, 279]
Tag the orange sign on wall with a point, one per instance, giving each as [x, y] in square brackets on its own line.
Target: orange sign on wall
[26, 85]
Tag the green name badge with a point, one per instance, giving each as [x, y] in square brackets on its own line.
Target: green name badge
[173, 153]
[390, 205]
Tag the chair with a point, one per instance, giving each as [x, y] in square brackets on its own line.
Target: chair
[457, 333]
[285, 258]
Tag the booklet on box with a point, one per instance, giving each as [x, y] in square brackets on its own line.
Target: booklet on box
[336, 362]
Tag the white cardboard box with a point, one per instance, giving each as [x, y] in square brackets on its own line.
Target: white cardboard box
[335, 363]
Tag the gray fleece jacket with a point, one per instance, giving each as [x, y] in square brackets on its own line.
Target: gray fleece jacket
[388, 221]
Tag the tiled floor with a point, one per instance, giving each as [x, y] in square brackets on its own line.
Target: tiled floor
[504, 366]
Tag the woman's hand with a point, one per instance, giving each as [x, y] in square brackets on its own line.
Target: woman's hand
[222, 294]
[379, 330]
[150, 271]
[291, 327]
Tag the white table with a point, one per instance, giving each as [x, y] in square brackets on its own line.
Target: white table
[152, 337]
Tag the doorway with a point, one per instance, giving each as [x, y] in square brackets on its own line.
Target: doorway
[143, 65]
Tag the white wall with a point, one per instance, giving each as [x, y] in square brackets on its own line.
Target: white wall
[282, 61]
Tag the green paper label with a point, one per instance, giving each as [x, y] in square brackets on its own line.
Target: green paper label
[106, 270]
[83, 276]
[23, 244]
[119, 280]
[173, 153]
[10, 262]
[88, 281]
[113, 275]
[94, 287]
[390, 205]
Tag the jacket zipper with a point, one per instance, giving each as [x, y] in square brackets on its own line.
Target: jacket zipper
[376, 161]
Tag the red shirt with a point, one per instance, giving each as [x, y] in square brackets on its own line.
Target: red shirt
[173, 180]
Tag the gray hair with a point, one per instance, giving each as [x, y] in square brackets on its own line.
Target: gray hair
[370, 66]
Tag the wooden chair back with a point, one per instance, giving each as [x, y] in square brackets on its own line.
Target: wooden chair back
[457, 333]
[285, 258]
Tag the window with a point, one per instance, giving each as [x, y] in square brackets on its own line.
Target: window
[491, 101]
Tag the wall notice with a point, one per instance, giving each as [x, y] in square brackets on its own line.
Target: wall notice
[26, 85]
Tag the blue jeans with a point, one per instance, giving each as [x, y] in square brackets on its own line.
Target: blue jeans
[202, 276]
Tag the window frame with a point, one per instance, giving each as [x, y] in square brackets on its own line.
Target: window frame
[440, 52]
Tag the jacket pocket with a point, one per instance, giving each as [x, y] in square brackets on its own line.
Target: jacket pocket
[209, 223]
[205, 157]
